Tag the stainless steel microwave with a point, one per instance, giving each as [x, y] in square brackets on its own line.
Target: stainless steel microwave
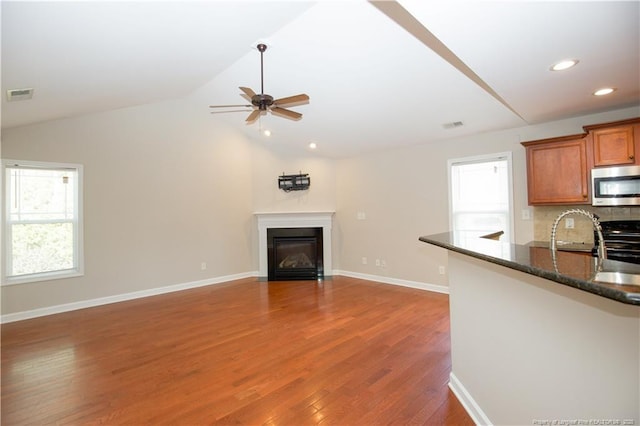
[615, 186]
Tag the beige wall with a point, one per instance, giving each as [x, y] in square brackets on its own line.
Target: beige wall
[526, 348]
[167, 187]
[269, 162]
[404, 194]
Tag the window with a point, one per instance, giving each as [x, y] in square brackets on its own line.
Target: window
[480, 191]
[43, 221]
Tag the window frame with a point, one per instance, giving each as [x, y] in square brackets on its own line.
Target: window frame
[78, 225]
[485, 158]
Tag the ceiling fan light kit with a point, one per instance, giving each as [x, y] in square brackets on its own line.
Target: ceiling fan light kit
[264, 102]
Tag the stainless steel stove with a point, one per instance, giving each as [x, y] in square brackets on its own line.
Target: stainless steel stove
[622, 240]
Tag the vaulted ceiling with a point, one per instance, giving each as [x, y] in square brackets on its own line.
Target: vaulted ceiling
[378, 74]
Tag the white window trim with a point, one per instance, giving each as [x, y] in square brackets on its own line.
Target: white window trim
[79, 240]
[479, 159]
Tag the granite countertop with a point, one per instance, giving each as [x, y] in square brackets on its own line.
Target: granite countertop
[572, 268]
[564, 246]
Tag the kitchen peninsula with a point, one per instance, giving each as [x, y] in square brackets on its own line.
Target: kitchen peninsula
[535, 341]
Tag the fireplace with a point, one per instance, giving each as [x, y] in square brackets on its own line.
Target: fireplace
[270, 221]
[295, 254]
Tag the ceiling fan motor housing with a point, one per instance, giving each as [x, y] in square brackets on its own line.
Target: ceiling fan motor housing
[262, 101]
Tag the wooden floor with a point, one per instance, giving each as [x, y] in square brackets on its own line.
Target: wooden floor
[338, 352]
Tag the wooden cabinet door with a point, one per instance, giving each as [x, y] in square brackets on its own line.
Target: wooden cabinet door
[557, 171]
[613, 146]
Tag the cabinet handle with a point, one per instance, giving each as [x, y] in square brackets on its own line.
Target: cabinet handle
[631, 157]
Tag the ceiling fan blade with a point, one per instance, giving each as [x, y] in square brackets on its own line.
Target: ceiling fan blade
[229, 106]
[250, 93]
[286, 113]
[252, 117]
[292, 99]
[228, 111]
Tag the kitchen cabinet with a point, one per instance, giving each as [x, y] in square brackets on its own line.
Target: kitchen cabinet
[558, 170]
[615, 144]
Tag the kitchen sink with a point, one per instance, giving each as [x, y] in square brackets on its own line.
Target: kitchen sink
[617, 278]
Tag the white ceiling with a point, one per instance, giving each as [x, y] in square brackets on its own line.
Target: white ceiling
[373, 81]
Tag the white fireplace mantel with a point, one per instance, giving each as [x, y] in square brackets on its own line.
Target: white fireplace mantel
[294, 220]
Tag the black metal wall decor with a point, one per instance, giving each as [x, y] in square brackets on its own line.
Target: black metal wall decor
[297, 182]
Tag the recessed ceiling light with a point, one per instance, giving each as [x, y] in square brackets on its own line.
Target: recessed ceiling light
[267, 133]
[564, 65]
[604, 91]
[313, 145]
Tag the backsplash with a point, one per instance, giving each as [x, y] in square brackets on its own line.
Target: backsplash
[544, 216]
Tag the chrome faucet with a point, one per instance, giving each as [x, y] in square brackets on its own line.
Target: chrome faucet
[602, 251]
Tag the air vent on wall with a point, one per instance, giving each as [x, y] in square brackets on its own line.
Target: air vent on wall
[19, 94]
[453, 125]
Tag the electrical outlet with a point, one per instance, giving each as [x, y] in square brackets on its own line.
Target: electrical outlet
[203, 266]
[526, 214]
[377, 262]
[383, 263]
[441, 270]
[569, 223]
[364, 260]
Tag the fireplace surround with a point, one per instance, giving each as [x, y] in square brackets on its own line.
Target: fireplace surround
[279, 220]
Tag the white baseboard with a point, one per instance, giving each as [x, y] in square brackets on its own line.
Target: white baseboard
[394, 281]
[50, 310]
[473, 409]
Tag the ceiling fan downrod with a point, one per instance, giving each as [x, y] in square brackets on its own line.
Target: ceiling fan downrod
[261, 100]
[261, 47]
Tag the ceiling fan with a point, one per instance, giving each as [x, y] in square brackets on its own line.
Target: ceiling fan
[262, 102]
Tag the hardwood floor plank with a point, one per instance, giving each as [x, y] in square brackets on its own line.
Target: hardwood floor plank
[338, 352]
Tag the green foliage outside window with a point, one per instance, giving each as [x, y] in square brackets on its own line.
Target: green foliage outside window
[42, 248]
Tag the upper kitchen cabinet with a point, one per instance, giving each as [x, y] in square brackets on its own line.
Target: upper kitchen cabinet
[615, 143]
[558, 171]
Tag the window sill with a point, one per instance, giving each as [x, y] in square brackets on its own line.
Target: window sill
[47, 276]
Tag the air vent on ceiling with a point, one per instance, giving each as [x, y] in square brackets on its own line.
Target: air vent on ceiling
[453, 125]
[19, 94]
